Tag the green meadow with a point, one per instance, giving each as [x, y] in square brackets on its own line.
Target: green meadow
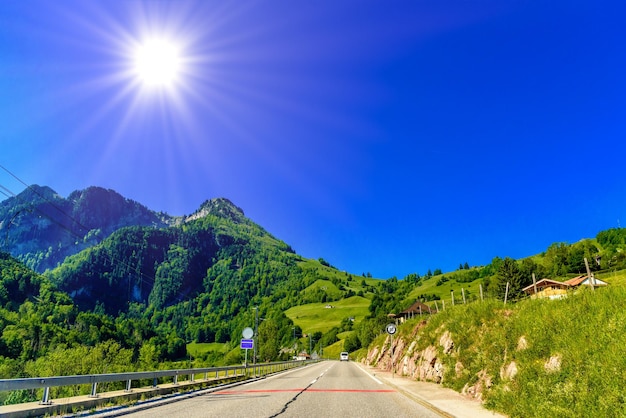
[322, 317]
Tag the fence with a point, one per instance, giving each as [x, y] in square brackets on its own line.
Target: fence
[209, 374]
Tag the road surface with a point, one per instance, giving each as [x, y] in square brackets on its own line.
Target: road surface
[326, 389]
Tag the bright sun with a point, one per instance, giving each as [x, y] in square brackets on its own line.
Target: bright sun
[157, 63]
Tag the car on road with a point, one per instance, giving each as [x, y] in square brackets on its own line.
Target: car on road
[344, 356]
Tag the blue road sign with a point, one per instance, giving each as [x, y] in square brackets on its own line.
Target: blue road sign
[247, 344]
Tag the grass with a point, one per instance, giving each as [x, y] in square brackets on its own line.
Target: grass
[332, 351]
[327, 286]
[472, 290]
[200, 349]
[615, 278]
[584, 334]
[352, 282]
[314, 317]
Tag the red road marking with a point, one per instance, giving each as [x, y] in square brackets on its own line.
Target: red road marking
[352, 390]
[240, 392]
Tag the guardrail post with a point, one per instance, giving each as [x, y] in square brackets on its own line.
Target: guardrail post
[175, 380]
[93, 390]
[154, 382]
[45, 400]
[128, 386]
[192, 377]
[206, 375]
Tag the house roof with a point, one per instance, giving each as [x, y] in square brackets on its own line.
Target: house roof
[416, 308]
[575, 281]
[584, 279]
[543, 283]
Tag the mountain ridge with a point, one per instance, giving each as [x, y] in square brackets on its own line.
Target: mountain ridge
[41, 228]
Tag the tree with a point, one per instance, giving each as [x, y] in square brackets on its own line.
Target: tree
[528, 267]
[268, 341]
[555, 259]
[323, 262]
[351, 343]
[169, 276]
[148, 356]
[577, 254]
[509, 272]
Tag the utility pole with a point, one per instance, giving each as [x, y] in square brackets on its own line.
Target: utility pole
[592, 280]
[256, 331]
[506, 293]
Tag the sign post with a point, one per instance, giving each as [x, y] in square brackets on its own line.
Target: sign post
[247, 343]
[391, 329]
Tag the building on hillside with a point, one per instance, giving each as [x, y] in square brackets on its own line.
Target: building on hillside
[551, 289]
[417, 309]
[584, 280]
[546, 288]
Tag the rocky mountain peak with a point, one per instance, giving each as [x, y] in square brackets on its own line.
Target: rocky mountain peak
[221, 207]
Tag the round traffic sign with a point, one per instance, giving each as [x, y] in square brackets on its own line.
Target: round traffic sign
[391, 329]
[247, 333]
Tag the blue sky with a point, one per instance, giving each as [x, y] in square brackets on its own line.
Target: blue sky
[388, 137]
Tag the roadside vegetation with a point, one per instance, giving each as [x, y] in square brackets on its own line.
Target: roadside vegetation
[534, 358]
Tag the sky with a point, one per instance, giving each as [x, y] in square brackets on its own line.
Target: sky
[387, 137]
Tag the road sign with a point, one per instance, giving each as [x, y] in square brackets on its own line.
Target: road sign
[391, 329]
[247, 344]
[247, 333]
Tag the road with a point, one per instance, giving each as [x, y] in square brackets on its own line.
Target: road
[330, 388]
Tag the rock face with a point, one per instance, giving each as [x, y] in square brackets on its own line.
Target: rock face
[428, 364]
[422, 365]
[219, 207]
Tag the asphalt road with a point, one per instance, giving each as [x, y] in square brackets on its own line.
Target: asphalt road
[326, 389]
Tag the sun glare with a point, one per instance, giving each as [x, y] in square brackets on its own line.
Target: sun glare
[157, 63]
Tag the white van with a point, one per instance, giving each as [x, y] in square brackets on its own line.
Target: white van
[344, 356]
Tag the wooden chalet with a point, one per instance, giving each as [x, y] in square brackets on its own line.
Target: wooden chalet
[546, 288]
[417, 309]
[551, 289]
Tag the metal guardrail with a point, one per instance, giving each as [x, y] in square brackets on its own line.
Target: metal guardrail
[46, 383]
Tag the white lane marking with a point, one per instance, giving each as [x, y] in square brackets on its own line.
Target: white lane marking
[370, 375]
[275, 376]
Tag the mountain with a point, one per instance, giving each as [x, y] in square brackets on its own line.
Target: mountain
[216, 250]
[109, 253]
[41, 228]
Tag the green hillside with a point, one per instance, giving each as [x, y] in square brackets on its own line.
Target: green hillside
[606, 255]
[322, 317]
[534, 358]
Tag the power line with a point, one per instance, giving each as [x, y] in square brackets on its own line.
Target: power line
[144, 278]
[112, 259]
[51, 203]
